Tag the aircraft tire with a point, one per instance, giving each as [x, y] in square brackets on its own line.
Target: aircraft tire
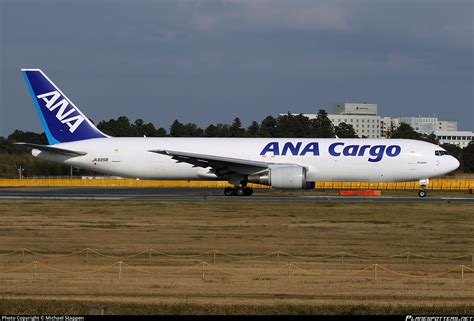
[422, 193]
[248, 191]
[229, 191]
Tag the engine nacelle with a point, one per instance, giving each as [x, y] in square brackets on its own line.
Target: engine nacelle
[285, 177]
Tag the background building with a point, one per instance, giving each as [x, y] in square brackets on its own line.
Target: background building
[458, 138]
[367, 123]
[429, 125]
[363, 117]
[388, 124]
[356, 109]
[423, 125]
[447, 125]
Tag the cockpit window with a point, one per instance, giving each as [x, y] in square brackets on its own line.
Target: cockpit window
[441, 152]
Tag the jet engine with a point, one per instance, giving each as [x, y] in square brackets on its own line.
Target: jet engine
[284, 177]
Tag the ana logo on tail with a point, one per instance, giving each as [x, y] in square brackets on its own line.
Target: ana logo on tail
[63, 112]
[61, 119]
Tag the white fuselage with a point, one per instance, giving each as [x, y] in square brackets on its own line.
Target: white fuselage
[131, 157]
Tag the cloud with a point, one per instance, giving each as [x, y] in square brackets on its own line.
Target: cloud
[270, 15]
[210, 61]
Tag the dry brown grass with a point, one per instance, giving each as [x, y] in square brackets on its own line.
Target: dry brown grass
[241, 228]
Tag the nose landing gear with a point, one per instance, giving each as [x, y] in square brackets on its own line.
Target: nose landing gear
[423, 187]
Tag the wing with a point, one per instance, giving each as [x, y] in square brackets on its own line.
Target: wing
[222, 166]
[52, 149]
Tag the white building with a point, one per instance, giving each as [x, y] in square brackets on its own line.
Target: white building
[367, 123]
[387, 125]
[446, 125]
[458, 138]
[363, 117]
[423, 125]
[356, 109]
[429, 125]
[364, 125]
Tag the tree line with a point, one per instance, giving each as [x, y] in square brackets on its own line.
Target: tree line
[283, 126]
[288, 125]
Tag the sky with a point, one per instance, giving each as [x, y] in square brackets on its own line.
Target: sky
[211, 61]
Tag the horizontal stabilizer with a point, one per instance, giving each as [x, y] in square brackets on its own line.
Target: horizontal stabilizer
[52, 149]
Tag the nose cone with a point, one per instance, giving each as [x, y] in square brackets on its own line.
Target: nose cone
[453, 164]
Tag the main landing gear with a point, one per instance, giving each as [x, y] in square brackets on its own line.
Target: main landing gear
[238, 191]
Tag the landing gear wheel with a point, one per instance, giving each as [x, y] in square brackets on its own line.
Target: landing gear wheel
[422, 193]
[248, 191]
[229, 191]
[239, 191]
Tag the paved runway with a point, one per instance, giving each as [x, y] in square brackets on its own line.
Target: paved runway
[197, 194]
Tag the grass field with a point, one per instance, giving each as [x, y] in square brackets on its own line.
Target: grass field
[235, 284]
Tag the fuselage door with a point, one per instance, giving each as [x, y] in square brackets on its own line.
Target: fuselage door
[116, 156]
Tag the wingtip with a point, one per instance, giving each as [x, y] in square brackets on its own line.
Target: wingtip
[158, 151]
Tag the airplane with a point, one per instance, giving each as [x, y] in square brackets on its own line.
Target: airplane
[282, 163]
